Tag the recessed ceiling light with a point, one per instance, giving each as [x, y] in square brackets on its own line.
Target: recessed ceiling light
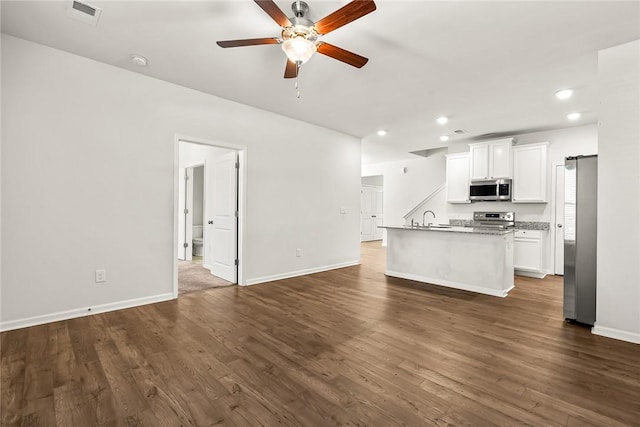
[382, 132]
[444, 137]
[573, 116]
[139, 60]
[564, 93]
[442, 120]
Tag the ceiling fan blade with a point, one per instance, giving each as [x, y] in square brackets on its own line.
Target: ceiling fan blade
[248, 42]
[291, 71]
[340, 54]
[274, 12]
[348, 13]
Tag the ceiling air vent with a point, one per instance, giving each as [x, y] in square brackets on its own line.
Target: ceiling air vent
[83, 12]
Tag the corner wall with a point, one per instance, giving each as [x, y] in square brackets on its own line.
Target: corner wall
[403, 191]
[88, 178]
[618, 287]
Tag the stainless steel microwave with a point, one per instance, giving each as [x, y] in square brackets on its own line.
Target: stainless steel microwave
[490, 190]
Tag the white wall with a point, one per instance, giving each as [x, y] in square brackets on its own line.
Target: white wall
[377, 180]
[618, 286]
[198, 195]
[403, 191]
[68, 117]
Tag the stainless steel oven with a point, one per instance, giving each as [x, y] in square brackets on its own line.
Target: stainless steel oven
[499, 220]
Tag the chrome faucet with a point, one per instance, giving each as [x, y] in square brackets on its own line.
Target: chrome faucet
[426, 212]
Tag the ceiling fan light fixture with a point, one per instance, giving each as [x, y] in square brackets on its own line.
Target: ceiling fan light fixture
[299, 49]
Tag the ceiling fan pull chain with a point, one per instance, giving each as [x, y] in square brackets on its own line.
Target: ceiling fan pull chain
[296, 83]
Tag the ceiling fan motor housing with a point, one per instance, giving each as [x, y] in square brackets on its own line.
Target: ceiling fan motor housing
[299, 8]
[301, 26]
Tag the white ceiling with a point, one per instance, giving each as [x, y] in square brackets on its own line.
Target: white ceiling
[492, 67]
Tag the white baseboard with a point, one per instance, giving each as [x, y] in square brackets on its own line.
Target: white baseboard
[291, 274]
[450, 284]
[535, 275]
[616, 334]
[80, 312]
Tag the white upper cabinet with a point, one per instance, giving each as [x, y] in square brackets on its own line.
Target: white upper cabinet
[479, 161]
[490, 160]
[530, 173]
[458, 178]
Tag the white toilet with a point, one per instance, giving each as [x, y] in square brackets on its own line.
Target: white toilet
[197, 241]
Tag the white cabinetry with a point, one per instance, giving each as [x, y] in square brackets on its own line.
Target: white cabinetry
[530, 173]
[490, 160]
[458, 178]
[528, 253]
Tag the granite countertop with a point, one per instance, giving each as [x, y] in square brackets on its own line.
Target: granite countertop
[452, 229]
[520, 225]
[532, 225]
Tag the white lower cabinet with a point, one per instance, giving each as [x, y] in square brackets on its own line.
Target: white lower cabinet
[528, 253]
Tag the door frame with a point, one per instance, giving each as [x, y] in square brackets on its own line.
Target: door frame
[242, 201]
[375, 187]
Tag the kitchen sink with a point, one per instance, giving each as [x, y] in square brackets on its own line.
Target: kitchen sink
[439, 226]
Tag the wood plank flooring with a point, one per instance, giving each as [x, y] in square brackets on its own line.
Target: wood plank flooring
[346, 347]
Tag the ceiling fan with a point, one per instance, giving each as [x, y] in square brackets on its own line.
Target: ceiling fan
[299, 38]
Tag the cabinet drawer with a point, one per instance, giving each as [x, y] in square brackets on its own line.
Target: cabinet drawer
[528, 234]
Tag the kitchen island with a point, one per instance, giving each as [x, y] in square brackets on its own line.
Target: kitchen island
[472, 259]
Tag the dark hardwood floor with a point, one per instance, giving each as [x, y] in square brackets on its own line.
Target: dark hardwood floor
[346, 347]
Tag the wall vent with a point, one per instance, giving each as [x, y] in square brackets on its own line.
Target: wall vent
[83, 12]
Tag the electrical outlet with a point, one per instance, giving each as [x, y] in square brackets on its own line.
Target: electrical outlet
[343, 210]
[298, 252]
[101, 276]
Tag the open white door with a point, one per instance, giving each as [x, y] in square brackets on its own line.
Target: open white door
[223, 225]
[184, 214]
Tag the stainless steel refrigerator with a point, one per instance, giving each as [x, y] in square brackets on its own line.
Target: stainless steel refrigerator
[580, 237]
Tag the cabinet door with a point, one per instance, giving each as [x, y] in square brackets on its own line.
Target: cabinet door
[458, 178]
[479, 161]
[527, 254]
[500, 159]
[530, 174]
[528, 250]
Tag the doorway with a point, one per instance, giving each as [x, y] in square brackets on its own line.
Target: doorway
[208, 215]
[191, 203]
[371, 208]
